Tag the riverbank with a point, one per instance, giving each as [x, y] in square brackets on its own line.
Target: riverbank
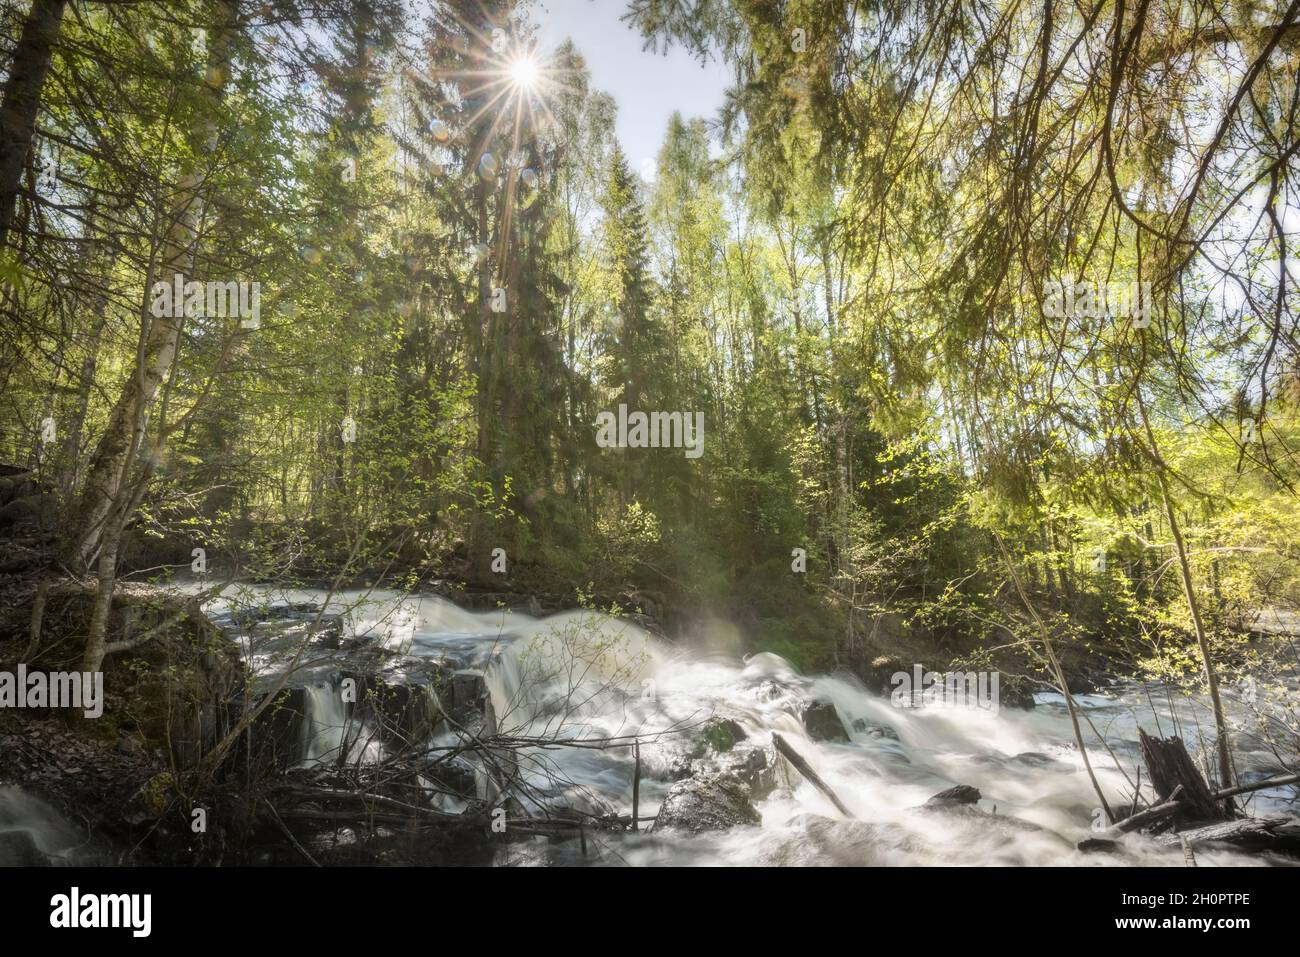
[451, 718]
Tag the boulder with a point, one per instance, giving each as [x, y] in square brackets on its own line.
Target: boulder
[1036, 759]
[880, 672]
[822, 723]
[709, 802]
[404, 703]
[469, 695]
[956, 796]
[410, 697]
[27, 510]
[861, 726]
[752, 764]
[718, 735]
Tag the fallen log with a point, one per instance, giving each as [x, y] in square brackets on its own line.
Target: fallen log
[1149, 816]
[802, 766]
[1249, 832]
[1277, 782]
[1105, 839]
[369, 803]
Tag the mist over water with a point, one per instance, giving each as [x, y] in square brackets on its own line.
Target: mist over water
[584, 676]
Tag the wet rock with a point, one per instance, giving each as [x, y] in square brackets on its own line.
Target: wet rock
[323, 630]
[410, 697]
[754, 765]
[707, 803]
[1036, 759]
[404, 700]
[957, 796]
[823, 723]
[880, 672]
[1026, 759]
[468, 694]
[719, 735]
[650, 604]
[861, 726]
[998, 824]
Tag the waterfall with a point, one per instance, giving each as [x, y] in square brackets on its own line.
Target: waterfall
[327, 725]
[28, 821]
[581, 675]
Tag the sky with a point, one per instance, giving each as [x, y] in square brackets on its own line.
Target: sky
[647, 87]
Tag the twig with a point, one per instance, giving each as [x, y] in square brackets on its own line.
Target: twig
[284, 829]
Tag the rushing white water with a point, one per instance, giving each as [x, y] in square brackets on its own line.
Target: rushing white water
[28, 817]
[582, 676]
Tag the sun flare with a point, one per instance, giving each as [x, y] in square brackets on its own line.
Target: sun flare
[524, 71]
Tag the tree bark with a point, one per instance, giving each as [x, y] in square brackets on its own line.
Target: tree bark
[116, 452]
[21, 101]
[1169, 767]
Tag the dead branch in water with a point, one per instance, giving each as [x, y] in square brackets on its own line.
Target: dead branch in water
[802, 766]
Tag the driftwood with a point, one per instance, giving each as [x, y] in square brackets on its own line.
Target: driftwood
[1169, 766]
[1105, 840]
[1277, 782]
[800, 765]
[1149, 816]
[1249, 832]
[1174, 804]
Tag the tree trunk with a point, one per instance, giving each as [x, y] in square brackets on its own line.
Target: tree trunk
[1189, 592]
[22, 99]
[1169, 766]
[97, 639]
[117, 448]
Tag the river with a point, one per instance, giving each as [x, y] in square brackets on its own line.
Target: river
[581, 675]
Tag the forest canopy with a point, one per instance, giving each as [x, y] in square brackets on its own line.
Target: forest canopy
[983, 315]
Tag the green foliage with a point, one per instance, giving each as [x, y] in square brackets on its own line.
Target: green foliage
[847, 282]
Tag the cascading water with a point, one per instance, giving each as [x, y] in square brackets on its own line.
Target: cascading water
[581, 676]
[327, 728]
[27, 821]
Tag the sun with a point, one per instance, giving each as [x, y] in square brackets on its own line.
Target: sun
[524, 71]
